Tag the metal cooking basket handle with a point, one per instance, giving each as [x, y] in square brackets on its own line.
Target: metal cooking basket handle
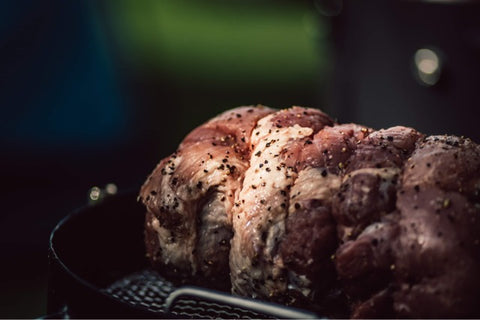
[266, 308]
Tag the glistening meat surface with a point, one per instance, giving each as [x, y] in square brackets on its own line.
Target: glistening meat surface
[190, 195]
[291, 207]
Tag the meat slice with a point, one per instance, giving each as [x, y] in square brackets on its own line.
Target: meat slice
[259, 217]
[190, 195]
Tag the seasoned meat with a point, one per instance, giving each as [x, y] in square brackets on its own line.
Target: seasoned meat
[368, 189]
[437, 258]
[259, 218]
[310, 238]
[423, 258]
[291, 207]
[190, 195]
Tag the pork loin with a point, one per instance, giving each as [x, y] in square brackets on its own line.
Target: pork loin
[289, 206]
[190, 195]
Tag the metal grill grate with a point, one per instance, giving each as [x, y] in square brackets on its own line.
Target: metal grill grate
[145, 288]
[195, 308]
[149, 290]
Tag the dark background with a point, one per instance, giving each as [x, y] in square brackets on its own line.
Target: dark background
[96, 92]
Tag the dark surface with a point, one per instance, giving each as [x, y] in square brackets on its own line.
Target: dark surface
[62, 130]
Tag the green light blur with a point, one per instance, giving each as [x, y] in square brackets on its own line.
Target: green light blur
[228, 43]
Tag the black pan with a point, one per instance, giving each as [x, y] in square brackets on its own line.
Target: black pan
[97, 268]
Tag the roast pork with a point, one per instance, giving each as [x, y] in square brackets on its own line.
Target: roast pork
[292, 207]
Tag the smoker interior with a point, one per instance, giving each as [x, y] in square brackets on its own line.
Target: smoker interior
[97, 268]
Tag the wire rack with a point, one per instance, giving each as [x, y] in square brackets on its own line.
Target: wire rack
[148, 289]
